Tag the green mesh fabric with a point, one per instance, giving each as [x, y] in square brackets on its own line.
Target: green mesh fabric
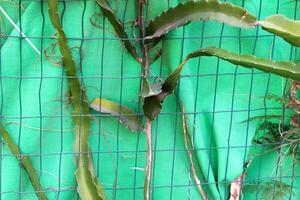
[217, 96]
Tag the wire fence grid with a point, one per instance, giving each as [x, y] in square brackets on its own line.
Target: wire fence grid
[42, 155]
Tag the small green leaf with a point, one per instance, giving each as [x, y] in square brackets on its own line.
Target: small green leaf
[127, 116]
[185, 13]
[153, 104]
[118, 26]
[279, 25]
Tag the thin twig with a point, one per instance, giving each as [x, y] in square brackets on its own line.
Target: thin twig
[37, 129]
[188, 147]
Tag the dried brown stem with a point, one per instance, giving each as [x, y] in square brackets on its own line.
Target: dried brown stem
[188, 146]
[141, 21]
[145, 70]
[145, 61]
[149, 161]
[236, 185]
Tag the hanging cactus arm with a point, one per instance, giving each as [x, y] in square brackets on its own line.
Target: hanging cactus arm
[185, 13]
[88, 186]
[281, 68]
[118, 27]
[25, 162]
[281, 26]
[153, 104]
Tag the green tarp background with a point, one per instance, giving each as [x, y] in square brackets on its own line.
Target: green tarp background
[217, 97]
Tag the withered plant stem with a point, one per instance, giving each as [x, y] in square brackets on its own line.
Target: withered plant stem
[188, 146]
[148, 169]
